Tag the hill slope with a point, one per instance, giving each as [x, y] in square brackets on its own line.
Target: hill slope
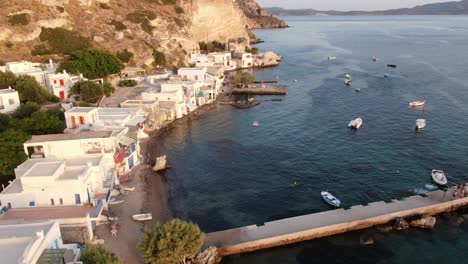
[447, 8]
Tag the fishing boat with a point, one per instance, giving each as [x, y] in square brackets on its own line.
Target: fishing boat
[417, 103]
[438, 176]
[355, 123]
[256, 124]
[128, 189]
[142, 217]
[420, 124]
[348, 79]
[391, 65]
[115, 201]
[331, 57]
[330, 199]
[161, 164]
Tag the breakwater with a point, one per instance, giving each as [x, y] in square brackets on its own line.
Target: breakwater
[307, 227]
[260, 90]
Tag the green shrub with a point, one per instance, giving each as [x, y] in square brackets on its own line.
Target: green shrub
[61, 9]
[30, 90]
[104, 6]
[99, 255]
[159, 58]
[178, 10]
[125, 55]
[53, 98]
[7, 79]
[127, 83]
[9, 45]
[26, 110]
[213, 46]
[119, 26]
[108, 89]
[64, 41]
[89, 91]
[18, 19]
[84, 104]
[40, 50]
[92, 64]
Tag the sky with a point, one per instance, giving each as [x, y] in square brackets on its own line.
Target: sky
[345, 5]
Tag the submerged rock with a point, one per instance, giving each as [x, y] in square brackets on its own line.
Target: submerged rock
[366, 239]
[208, 256]
[384, 228]
[400, 224]
[427, 222]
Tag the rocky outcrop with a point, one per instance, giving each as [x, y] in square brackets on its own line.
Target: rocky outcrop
[259, 17]
[400, 224]
[425, 222]
[267, 59]
[208, 256]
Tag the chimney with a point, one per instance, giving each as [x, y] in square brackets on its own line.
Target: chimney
[51, 63]
[64, 72]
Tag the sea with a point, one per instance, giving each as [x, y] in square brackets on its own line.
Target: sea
[228, 174]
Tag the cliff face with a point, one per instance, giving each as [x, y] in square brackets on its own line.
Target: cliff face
[259, 17]
[115, 25]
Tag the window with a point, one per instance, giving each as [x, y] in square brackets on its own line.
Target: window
[61, 201]
[55, 81]
[9, 205]
[77, 198]
[82, 120]
[52, 202]
[62, 83]
[11, 101]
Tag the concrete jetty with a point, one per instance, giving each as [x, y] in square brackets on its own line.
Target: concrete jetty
[307, 227]
[260, 90]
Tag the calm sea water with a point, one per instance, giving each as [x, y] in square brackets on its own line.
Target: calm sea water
[228, 174]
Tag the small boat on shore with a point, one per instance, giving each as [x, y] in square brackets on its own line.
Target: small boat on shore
[420, 124]
[256, 124]
[348, 79]
[114, 201]
[417, 103]
[330, 199]
[438, 176]
[161, 164]
[355, 123]
[127, 189]
[142, 217]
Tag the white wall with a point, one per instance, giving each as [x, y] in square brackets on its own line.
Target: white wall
[9, 100]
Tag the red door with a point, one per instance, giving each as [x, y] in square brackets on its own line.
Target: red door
[73, 122]
[82, 120]
[62, 95]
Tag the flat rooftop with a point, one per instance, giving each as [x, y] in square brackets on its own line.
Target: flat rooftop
[63, 137]
[81, 110]
[43, 169]
[49, 213]
[7, 91]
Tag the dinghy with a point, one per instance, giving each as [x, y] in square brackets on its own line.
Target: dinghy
[438, 176]
[330, 199]
[420, 124]
[142, 217]
[256, 124]
[417, 103]
[114, 201]
[355, 123]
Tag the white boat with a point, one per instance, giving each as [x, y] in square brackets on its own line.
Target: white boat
[256, 124]
[348, 79]
[417, 103]
[115, 192]
[331, 57]
[127, 189]
[115, 201]
[438, 176]
[330, 199]
[142, 217]
[374, 58]
[161, 164]
[420, 124]
[355, 123]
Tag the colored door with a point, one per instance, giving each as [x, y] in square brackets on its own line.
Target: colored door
[62, 83]
[62, 95]
[73, 122]
[82, 120]
[77, 198]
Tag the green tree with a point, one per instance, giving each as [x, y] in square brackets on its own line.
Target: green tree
[127, 83]
[7, 79]
[159, 58]
[99, 255]
[243, 78]
[30, 90]
[92, 64]
[108, 89]
[39, 123]
[89, 91]
[58, 112]
[173, 242]
[26, 110]
[4, 122]
[11, 150]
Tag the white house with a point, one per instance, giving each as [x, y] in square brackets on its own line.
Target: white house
[222, 59]
[9, 100]
[32, 69]
[246, 60]
[59, 84]
[168, 92]
[193, 74]
[26, 242]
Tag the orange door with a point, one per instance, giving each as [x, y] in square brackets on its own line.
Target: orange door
[73, 122]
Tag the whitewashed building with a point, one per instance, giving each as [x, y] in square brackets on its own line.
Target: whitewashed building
[27, 242]
[32, 69]
[246, 60]
[168, 92]
[193, 74]
[59, 84]
[9, 100]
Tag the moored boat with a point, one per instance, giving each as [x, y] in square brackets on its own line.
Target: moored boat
[115, 201]
[355, 123]
[142, 217]
[420, 124]
[330, 199]
[417, 103]
[256, 124]
[348, 79]
[438, 176]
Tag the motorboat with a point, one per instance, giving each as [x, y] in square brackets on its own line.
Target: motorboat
[330, 199]
[113, 201]
[142, 217]
[417, 103]
[256, 124]
[438, 176]
[331, 57]
[355, 123]
[348, 79]
[420, 124]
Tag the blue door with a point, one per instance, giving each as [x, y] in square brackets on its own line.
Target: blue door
[77, 198]
[130, 162]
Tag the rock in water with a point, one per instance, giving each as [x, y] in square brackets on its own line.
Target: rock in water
[384, 228]
[208, 256]
[427, 222]
[267, 59]
[400, 224]
[367, 238]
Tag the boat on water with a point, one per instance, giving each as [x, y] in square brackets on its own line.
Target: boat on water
[355, 123]
[256, 124]
[142, 217]
[115, 201]
[331, 57]
[417, 103]
[127, 189]
[438, 176]
[348, 79]
[374, 58]
[161, 164]
[391, 65]
[357, 89]
[330, 199]
[420, 124]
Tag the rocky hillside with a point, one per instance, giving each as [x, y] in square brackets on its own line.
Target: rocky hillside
[37, 29]
[259, 17]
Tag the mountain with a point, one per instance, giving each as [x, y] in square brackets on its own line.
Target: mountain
[447, 8]
[173, 27]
